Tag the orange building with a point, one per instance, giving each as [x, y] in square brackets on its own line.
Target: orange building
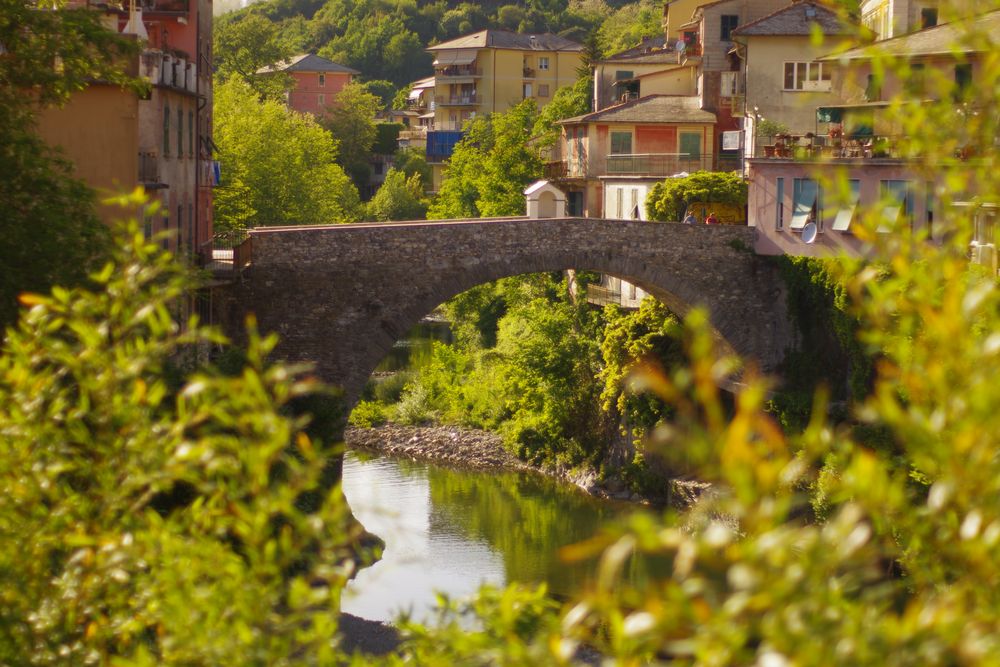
[318, 81]
[163, 141]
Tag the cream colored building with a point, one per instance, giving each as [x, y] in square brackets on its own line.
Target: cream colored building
[892, 18]
[491, 71]
[785, 77]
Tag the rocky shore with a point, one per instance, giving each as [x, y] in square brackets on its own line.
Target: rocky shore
[471, 448]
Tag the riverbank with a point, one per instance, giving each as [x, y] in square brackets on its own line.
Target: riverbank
[476, 449]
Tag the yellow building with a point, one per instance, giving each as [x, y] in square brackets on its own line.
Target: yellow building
[488, 72]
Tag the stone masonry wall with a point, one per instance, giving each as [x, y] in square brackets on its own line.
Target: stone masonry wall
[340, 296]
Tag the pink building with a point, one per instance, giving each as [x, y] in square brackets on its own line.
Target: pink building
[318, 81]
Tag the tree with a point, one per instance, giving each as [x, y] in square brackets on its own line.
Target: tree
[568, 101]
[668, 199]
[491, 166]
[279, 167]
[246, 43]
[49, 232]
[411, 161]
[629, 25]
[398, 198]
[351, 120]
[384, 90]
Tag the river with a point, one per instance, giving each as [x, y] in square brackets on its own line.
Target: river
[452, 530]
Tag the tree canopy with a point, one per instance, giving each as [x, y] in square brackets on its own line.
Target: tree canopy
[668, 199]
[491, 166]
[351, 121]
[279, 167]
[398, 198]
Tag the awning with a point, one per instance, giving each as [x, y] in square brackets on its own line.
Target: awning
[805, 199]
[429, 114]
[454, 57]
[846, 214]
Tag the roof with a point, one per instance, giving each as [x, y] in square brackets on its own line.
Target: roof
[652, 50]
[796, 19]
[307, 62]
[423, 83]
[651, 109]
[942, 39]
[504, 39]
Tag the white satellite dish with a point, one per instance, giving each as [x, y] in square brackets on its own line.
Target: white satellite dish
[809, 232]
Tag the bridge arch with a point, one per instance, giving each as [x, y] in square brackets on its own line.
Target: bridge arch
[341, 296]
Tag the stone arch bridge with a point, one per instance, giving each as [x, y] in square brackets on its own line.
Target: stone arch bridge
[340, 296]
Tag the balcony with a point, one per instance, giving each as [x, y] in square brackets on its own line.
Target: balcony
[440, 145]
[469, 100]
[806, 147]
[554, 171]
[149, 170]
[732, 84]
[165, 7]
[457, 72]
[528, 73]
[169, 70]
[656, 164]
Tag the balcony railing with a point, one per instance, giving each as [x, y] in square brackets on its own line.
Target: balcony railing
[602, 296]
[165, 6]
[656, 164]
[555, 170]
[171, 70]
[457, 71]
[529, 73]
[458, 100]
[149, 167]
[807, 147]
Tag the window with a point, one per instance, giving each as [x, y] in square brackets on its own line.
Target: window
[779, 214]
[166, 130]
[623, 75]
[915, 82]
[873, 91]
[690, 145]
[526, 90]
[928, 17]
[543, 63]
[898, 199]
[621, 143]
[543, 90]
[191, 133]
[180, 132]
[322, 80]
[190, 234]
[807, 76]
[634, 212]
[729, 23]
[321, 99]
[842, 223]
[805, 203]
[963, 79]
[180, 226]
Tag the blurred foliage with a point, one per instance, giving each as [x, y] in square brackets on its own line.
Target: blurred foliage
[139, 525]
[242, 48]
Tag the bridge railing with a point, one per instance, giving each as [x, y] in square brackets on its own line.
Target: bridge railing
[227, 251]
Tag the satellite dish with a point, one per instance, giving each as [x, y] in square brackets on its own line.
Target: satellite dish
[809, 232]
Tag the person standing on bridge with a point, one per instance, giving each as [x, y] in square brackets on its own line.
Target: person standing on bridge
[711, 219]
[690, 219]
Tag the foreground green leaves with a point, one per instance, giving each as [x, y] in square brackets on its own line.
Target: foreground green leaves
[146, 523]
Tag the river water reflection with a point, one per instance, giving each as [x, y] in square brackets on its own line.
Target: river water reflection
[453, 530]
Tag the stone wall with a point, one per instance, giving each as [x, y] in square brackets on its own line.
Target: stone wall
[340, 296]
